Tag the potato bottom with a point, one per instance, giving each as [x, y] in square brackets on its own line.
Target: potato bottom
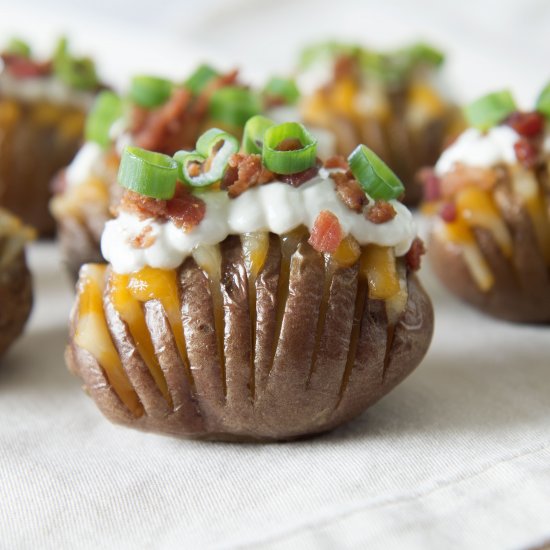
[227, 353]
[36, 140]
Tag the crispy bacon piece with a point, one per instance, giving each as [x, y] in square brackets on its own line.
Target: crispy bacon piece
[144, 207]
[448, 212]
[462, 176]
[178, 123]
[526, 124]
[161, 128]
[345, 66]
[380, 212]
[145, 239]
[349, 191]
[430, 183]
[337, 161]
[527, 153]
[243, 172]
[301, 177]
[23, 67]
[326, 233]
[184, 210]
[415, 253]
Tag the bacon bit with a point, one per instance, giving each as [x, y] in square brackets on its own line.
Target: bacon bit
[526, 124]
[185, 210]
[345, 66]
[349, 191]
[145, 239]
[463, 176]
[326, 233]
[301, 177]
[430, 183]
[243, 172]
[23, 67]
[448, 212]
[289, 144]
[415, 253]
[337, 161]
[380, 212]
[527, 153]
[164, 129]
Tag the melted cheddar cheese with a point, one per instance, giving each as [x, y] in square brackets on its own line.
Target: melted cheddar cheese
[92, 334]
[129, 307]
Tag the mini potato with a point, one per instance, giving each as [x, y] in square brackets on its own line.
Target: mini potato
[490, 240]
[245, 311]
[15, 280]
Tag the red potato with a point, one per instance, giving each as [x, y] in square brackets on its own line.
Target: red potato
[15, 294]
[521, 289]
[315, 352]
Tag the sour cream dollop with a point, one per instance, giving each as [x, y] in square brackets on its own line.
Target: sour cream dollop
[481, 149]
[275, 207]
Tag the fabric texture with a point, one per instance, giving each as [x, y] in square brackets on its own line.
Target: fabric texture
[457, 456]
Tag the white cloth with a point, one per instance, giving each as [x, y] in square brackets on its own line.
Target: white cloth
[457, 456]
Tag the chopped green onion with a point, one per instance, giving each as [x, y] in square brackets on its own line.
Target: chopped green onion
[424, 53]
[106, 110]
[490, 109]
[543, 101]
[233, 106]
[325, 51]
[253, 136]
[282, 88]
[19, 47]
[214, 148]
[288, 162]
[77, 72]
[200, 79]
[150, 91]
[216, 140]
[373, 174]
[147, 173]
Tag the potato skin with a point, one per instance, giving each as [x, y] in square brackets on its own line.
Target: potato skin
[79, 244]
[299, 360]
[36, 141]
[15, 300]
[521, 292]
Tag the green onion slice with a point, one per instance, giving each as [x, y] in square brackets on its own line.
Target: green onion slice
[253, 136]
[147, 173]
[200, 79]
[208, 163]
[17, 46]
[491, 109]
[543, 101]
[288, 162]
[282, 88]
[233, 106]
[423, 53]
[106, 110]
[150, 91]
[76, 72]
[373, 174]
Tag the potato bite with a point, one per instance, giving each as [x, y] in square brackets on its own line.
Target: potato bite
[43, 105]
[250, 295]
[490, 196]
[15, 279]
[156, 114]
[391, 101]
